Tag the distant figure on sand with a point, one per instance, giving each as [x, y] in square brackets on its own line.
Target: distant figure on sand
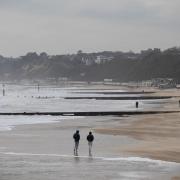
[90, 139]
[137, 104]
[76, 138]
[179, 103]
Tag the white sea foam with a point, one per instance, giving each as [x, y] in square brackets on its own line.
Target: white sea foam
[138, 159]
[128, 159]
[8, 122]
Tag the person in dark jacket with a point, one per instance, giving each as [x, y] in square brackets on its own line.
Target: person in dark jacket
[90, 139]
[76, 138]
[137, 104]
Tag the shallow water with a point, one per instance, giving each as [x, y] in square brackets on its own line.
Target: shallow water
[47, 153]
[24, 161]
[29, 99]
[9, 122]
[54, 167]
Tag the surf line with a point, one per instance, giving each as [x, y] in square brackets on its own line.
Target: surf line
[129, 159]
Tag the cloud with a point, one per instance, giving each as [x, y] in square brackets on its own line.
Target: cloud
[114, 10]
[61, 26]
[130, 10]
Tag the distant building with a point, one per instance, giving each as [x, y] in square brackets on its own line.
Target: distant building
[87, 61]
[108, 80]
[164, 83]
[102, 59]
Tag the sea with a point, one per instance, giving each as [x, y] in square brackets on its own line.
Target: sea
[54, 166]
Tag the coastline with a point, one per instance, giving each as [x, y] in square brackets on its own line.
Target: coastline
[56, 139]
[151, 136]
[158, 136]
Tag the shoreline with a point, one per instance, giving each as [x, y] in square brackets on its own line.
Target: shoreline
[15, 129]
[157, 136]
[147, 140]
[150, 136]
[56, 138]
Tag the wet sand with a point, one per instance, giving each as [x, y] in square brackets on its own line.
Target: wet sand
[45, 151]
[176, 178]
[158, 136]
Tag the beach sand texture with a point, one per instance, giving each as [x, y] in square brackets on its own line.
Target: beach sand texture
[158, 136]
[45, 151]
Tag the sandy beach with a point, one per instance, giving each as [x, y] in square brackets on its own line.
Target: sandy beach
[45, 151]
[158, 135]
[130, 147]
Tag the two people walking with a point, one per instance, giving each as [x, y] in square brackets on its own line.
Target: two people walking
[76, 137]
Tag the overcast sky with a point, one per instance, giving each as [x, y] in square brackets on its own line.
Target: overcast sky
[65, 26]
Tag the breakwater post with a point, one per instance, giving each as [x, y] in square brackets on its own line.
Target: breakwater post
[3, 91]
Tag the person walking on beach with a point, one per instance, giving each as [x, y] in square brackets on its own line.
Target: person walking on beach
[137, 104]
[90, 139]
[76, 138]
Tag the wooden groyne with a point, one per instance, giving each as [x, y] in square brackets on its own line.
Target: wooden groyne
[92, 113]
[123, 98]
[114, 92]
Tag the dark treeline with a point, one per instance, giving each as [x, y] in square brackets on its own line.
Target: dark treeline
[119, 66]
